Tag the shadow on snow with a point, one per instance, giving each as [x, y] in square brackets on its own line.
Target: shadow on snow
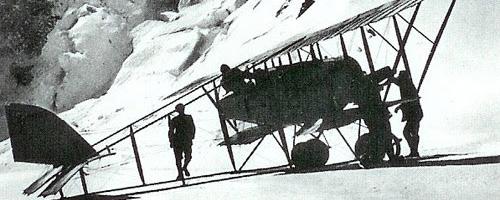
[424, 161]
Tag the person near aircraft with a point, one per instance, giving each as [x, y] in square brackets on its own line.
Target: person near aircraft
[412, 111]
[234, 79]
[181, 134]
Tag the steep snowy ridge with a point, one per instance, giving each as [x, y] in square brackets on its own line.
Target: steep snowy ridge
[142, 63]
[85, 57]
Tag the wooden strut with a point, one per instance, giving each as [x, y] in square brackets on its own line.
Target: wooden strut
[137, 156]
[232, 125]
[216, 91]
[359, 128]
[294, 134]
[401, 48]
[290, 62]
[313, 54]
[277, 141]
[344, 49]
[300, 56]
[436, 43]
[347, 143]
[281, 132]
[308, 54]
[326, 140]
[319, 51]
[84, 182]
[284, 145]
[367, 50]
[251, 153]
[223, 125]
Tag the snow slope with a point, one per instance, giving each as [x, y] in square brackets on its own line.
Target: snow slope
[167, 56]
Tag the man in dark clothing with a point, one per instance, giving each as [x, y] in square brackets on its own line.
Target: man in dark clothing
[181, 134]
[234, 79]
[412, 111]
[376, 117]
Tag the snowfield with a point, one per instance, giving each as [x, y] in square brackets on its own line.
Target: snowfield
[469, 182]
[156, 58]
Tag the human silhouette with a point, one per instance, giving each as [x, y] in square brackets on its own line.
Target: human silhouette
[234, 79]
[181, 134]
[412, 111]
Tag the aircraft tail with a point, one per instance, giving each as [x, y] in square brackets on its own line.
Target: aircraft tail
[40, 136]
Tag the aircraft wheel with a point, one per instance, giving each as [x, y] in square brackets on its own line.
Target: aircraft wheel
[372, 153]
[368, 152]
[310, 154]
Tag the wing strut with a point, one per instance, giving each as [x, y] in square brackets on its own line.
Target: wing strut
[401, 48]
[436, 43]
[223, 125]
[367, 50]
[344, 49]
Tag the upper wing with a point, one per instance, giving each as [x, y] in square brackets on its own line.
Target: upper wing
[374, 15]
[196, 84]
[368, 17]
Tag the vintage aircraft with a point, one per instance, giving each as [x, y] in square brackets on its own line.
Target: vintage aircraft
[303, 93]
[310, 93]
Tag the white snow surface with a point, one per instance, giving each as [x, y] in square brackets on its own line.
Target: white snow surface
[214, 32]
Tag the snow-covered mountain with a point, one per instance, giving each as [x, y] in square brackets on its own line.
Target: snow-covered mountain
[122, 66]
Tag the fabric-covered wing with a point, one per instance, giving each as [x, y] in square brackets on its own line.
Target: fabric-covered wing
[196, 84]
[371, 16]
[368, 17]
[40, 136]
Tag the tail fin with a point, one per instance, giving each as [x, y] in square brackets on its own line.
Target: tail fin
[40, 136]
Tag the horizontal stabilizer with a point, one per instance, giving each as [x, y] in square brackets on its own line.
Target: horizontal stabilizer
[40, 136]
[42, 180]
[62, 175]
[61, 180]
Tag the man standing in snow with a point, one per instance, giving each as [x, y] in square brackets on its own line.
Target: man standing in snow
[181, 134]
[412, 111]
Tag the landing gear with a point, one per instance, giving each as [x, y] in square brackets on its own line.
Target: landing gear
[310, 154]
[371, 151]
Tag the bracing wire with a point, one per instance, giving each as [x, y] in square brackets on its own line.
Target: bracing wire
[382, 42]
[352, 41]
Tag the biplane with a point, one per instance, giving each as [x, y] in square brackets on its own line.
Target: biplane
[312, 93]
